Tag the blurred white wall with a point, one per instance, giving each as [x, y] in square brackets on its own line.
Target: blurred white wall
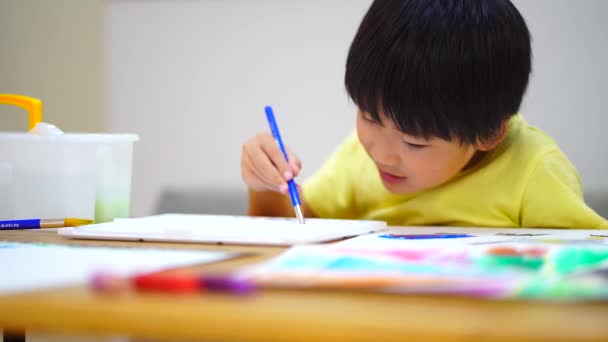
[52, 50]
[192, 78]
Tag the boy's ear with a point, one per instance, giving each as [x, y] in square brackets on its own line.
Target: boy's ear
[498, 137]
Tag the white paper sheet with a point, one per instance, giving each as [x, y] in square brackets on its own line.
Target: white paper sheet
[26, 267]
[225, 229]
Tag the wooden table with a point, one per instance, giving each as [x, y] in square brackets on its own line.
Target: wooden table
[287, 315]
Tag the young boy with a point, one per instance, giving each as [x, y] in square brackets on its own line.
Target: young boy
[439, 139]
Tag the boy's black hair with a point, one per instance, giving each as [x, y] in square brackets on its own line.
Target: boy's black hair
[441, 68]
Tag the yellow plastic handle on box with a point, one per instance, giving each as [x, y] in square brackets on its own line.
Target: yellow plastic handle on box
[31, 105]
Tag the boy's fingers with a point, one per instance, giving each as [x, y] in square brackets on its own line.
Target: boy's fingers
[267, 171]
[250, 177]
[294, 167]
[252, 182]
[294, 162]
[260, 170]
[276, 157]
[253, 176]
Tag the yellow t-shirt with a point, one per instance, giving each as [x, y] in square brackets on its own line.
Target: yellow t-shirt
[526, 181]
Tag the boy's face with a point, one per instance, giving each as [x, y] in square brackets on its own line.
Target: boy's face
[408, 164]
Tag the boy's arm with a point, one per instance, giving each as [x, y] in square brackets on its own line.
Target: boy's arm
[270, 203]
[554, 197]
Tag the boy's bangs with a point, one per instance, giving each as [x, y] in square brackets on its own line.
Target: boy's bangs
[394, 89]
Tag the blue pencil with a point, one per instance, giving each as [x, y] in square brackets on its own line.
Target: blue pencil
[293, 190]
[40, 223]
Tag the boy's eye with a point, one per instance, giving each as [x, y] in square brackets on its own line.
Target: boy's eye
[416, 146]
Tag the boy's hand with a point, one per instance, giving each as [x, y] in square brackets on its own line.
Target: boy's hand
[263, 166]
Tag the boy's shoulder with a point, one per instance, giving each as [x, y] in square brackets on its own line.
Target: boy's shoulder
[552, 194]
[524, 161]
[525, 147]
